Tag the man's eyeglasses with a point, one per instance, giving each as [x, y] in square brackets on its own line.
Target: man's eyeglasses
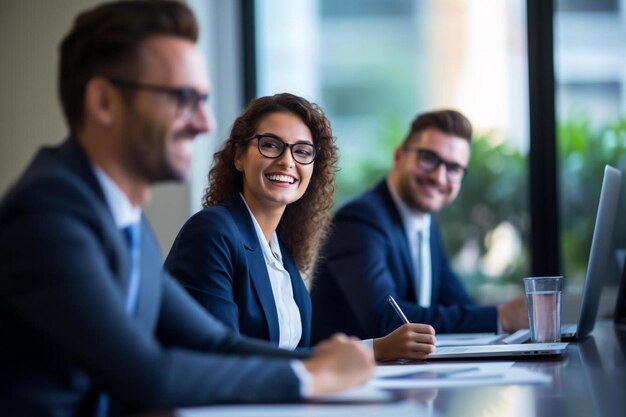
[271, 146]
[187, 99]
[428, 161]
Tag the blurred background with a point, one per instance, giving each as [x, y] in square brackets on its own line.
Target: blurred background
[373, 65]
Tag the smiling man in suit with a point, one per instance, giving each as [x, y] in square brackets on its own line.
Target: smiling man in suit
[385, 242]
[91, 323]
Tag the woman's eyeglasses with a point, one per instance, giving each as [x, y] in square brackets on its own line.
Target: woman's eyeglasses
[270, 146]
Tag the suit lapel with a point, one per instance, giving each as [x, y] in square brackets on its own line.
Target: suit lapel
[398, 235]
[256, 263]
[74, 156]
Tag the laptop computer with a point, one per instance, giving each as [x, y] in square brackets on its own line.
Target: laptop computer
[491, 351]
[599, 256]
[594, 281]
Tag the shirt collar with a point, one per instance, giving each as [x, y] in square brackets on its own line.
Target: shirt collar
[271, 250]
[124, 213]
[412, 222]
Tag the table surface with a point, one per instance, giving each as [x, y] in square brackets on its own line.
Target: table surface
[588, 380]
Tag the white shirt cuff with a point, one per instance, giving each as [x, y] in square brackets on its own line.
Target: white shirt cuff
[305, 378]
[369, 343]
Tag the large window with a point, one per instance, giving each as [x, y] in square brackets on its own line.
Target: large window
[590, 64]
[374, 65]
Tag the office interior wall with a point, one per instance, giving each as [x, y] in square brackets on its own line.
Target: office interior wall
[30, 113]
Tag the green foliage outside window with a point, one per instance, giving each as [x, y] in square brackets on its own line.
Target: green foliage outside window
[584, 151]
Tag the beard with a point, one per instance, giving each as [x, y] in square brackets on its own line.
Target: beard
[414, 200]
[146, 150]
[409, 196]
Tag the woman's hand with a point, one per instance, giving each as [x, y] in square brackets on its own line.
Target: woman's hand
[409, 341]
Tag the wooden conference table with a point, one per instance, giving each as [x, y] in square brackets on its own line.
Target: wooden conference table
[588, 380]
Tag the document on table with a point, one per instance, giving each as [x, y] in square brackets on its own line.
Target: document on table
[361, 394]
[396, 409]
[467, 339]
[453, 375]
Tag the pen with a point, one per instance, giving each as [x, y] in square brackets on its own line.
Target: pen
[398, 310]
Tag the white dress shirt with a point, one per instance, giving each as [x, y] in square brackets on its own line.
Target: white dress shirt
[289, 320]
[414, 224]
[124, 214]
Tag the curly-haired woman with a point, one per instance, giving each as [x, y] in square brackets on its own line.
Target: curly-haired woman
[266, 212]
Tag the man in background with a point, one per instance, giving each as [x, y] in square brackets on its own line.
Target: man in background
[91, 323]
[386, 242]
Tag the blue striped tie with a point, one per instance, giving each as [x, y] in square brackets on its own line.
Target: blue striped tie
[132, 234]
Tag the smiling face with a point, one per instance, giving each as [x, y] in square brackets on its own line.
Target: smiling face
[157, 137]
[429, 192]
[270, 184]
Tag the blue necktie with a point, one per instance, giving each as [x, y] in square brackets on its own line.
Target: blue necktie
[132, 234]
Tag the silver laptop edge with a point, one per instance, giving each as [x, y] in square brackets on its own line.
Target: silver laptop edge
[600, 250]
[490, 351]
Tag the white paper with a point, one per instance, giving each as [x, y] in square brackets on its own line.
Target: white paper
[386, 371]
[363, 393]
[469, 373]
[397, 409]
[467, 339]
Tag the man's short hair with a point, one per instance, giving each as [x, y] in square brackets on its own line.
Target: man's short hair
[450, 122]
[106, 41]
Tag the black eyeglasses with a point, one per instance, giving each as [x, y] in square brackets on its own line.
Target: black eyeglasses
[271, 146]
[188, 100]
[428, 161]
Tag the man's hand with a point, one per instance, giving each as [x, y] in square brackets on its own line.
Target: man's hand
[409, 341]
[339, 363]
[513, 315]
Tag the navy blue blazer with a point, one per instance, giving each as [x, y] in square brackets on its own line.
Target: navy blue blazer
[66, 336]
[218, 259]
[366, 259]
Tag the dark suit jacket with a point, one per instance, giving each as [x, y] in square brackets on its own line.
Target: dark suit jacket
[65, 332]
[367, 259]
[218, 258]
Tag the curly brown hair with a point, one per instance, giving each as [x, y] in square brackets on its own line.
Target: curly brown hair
[305, 223]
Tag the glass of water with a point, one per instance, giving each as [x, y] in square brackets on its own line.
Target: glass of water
[544, 308]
